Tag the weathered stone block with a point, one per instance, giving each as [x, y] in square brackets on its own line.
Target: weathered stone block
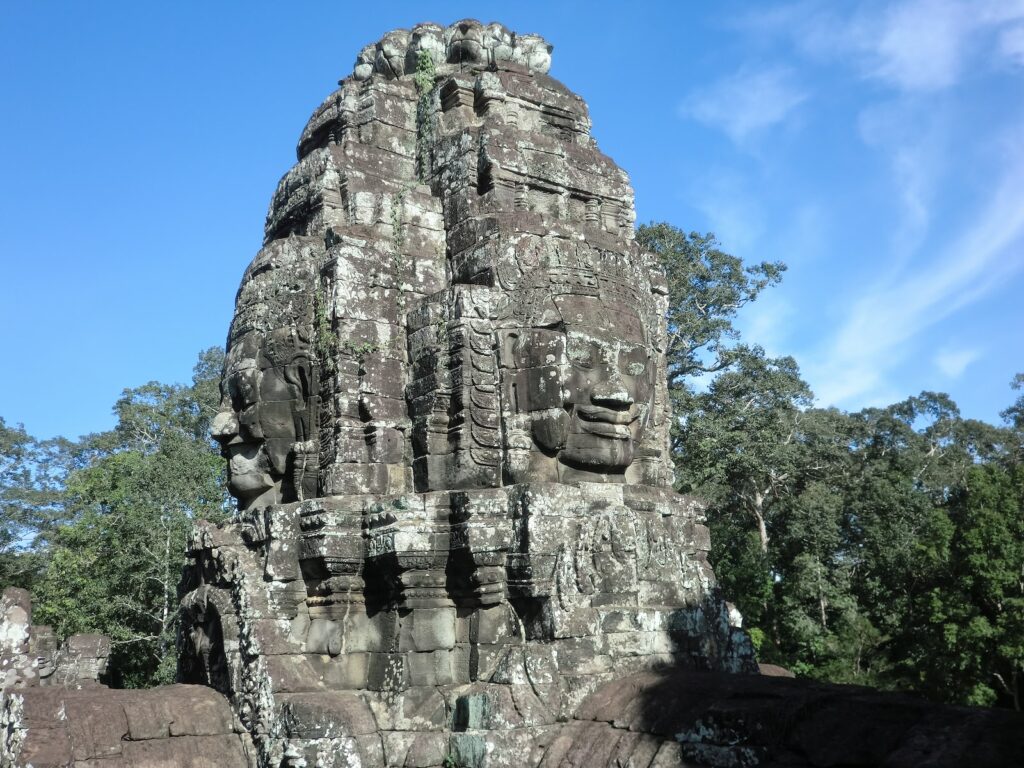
[388, 672]
[428, 629]
[327, 714]
[349, 671]
[427, 750]
[290, 673]
[490, 625]
[186, 752]
[396, 746]
[97, 726]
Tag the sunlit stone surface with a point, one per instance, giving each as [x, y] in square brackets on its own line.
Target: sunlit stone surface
[446, 424]
[445, 420]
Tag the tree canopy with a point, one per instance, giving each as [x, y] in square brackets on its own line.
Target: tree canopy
[883, 547]
[97, 527]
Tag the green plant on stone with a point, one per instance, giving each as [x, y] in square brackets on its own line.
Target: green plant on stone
[398, 222]
[325, 341]
[361, 351]
[424, 79]
[425, 72]
[441, 329]
[397, 244]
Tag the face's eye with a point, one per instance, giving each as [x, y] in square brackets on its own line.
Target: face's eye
[229, 388]
[633, 361]
[243, 387]
[580, 353]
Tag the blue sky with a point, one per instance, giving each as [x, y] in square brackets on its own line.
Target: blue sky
[876, 148]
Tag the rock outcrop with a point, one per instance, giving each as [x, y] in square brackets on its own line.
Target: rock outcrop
[184, 726]
[55, 711]
[678, 718]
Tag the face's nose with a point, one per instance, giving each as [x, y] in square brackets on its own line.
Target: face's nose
[612, 393]
[224, 427]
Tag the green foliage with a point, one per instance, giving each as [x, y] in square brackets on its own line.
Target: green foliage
[114, 565]
[1014, 416]
[325, 340]
[424, 78]
[708, 287]
[756, 638]
[861, 573]
[965, 642]
[884, 547]
[359, 352]
[425, 72]
[32, 473]
[18, 566]
[398, 234]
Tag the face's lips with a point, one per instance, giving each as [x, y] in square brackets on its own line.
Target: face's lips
[244, 458]
[248, 474]
[604, 429]
[239, 465]
[607, 422]
[600, 414]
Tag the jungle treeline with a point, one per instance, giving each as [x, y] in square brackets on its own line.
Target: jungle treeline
[883, 547]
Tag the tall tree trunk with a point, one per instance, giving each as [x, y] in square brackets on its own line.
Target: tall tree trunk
[757, 508]
[1016, 689]
[822, 602]
[165, 608]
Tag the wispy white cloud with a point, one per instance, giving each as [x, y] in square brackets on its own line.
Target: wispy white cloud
[1011, 44]
[768, 322]
[915, 139]
[912, 46]
[883, 323]
[953, 362]
[918, 45]
[734, 213]
[746, 102]
[801, 239]
[914, 56]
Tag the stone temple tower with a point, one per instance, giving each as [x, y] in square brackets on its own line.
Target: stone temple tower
[445, 418]
[446, 424]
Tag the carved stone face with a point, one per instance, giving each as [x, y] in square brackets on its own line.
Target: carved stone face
[237, 428]
[587, 389]
[265, 411]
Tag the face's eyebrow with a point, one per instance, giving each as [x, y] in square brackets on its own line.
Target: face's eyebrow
[593, 336]
[629, 347]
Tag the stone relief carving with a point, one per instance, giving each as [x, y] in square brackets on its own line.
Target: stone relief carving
[445, 417]
[32, 655]
[268, 422]
[577, 359]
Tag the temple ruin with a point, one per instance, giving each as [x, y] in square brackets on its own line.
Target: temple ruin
[445, 417]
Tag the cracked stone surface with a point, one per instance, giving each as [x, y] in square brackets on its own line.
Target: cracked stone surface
[186, 726]
[445, 417]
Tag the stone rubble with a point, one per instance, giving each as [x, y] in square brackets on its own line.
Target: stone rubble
[55, 711]
[32, 656]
